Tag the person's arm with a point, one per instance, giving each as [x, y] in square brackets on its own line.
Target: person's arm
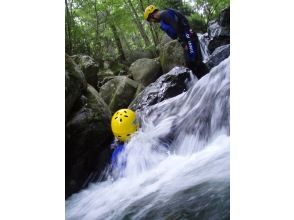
[168, 30]
[170, 18]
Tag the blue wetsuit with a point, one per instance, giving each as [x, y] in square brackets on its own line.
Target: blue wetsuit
[118, 164]
[114, 157]
[176, 25]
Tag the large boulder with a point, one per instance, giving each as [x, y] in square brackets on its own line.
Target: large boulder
[89, 67]
[218, 55]
[103, 77]
[115, 67]
[110, 69]
[219, 30]
[167, 86]
[224, 17]
[75, 84]
[119, 92]
[88, 137]
[164, 40]
[171, 55]
[139, 54]
[145, 70]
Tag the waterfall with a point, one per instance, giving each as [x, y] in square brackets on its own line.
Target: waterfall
[177, 164]
[204, 40]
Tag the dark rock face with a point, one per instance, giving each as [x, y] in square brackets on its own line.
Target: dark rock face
[88, 137]
[75, 84]
[89, 67]
[167, 86]
[224, 18]
[220, 41]
[218, 55]
[219, 30]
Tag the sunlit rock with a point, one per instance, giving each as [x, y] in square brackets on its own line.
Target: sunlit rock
[145, 70]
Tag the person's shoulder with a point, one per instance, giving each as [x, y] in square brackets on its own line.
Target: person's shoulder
[164, 13]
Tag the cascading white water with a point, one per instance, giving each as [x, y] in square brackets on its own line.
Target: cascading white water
[203, 39]
[177, 163]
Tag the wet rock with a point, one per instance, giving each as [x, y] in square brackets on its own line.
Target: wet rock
[224, 18]
[213, 29]
[89, 67]
[75, 84]
[217, 42]
[88, 136]
[218, 55]
[171, 55]
[167, 86]
[145, 70]
[219, 30]
[118, 92]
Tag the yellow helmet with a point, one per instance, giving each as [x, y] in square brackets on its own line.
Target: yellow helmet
[149, 10]
[123, 124]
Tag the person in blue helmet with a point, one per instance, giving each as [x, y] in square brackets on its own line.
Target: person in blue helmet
[123, 125]
[176, 26]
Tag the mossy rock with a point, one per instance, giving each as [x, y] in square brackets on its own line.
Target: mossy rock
[75, 84]
[145, 71]
[171, 55]
[89, 67]
[118, 92]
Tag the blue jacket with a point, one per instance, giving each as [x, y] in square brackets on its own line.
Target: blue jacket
[115, 163]
[174, 24]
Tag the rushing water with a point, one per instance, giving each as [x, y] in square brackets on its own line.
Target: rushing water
[177, 163]
[204, 39]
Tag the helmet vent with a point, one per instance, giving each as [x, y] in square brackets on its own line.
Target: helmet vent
[116, 117]
[128, 134]
[125, 112]
[120, 120]
[126, 116]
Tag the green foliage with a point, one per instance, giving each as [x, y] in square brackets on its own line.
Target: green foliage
[197, 23]
[210, 9]
[185, 8]
[90, 25]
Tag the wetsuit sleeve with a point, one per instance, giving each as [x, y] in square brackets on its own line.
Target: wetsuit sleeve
[168, 30]
[170, 19]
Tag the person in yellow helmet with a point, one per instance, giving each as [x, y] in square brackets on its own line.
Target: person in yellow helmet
[123, 125]
[176, 26]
